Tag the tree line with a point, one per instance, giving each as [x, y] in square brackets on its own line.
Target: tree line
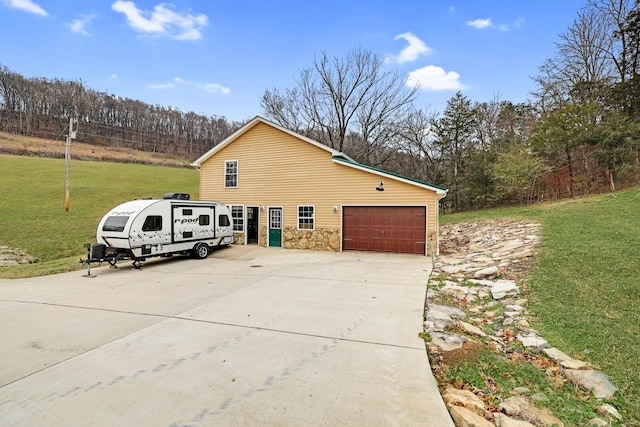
[577, 135]
[42, 107]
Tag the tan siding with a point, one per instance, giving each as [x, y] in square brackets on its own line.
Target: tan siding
[277, 169]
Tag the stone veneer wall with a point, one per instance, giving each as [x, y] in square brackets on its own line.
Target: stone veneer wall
[238, 238]
[320, 239]
[263, 236]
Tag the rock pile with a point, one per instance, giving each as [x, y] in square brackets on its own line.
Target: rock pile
[12, 256]
[474, 300]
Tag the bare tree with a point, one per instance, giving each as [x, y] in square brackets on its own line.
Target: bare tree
[422, 155]
[616, 17]
[339, 98]
[600, 49]
[582, 64]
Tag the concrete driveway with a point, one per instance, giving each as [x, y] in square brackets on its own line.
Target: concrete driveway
[249, 336]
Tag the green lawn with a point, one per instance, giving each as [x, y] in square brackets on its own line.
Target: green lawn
[584, 290]
[32, 215]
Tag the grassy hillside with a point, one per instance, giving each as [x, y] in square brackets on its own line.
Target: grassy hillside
[32, 215]
[584, 290]
[11, 143]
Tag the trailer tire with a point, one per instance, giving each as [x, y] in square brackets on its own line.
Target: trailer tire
[201, 251]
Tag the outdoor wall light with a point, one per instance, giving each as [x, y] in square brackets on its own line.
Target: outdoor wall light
[380, 187]
[335, 209]
[261, 208]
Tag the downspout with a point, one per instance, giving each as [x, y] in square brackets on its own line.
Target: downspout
[439, 197]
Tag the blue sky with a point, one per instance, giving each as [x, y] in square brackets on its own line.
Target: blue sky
[218, 57]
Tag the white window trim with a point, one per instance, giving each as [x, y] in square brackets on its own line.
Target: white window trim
[242, 217]
[313, 218]
[237, 173]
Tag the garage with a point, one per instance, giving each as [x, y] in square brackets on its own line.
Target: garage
[399, 229]
[297, 193]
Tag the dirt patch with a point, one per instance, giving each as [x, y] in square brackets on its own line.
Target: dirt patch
[470, 351]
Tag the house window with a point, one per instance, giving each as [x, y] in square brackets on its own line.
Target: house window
[306, 217]
[237, 213]
[231, 174]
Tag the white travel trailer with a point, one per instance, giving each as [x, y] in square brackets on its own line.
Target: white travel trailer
[146, 228]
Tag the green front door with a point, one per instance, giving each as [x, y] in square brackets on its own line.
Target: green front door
[275, 227]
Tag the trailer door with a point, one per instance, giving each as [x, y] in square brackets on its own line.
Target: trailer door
[192, 223]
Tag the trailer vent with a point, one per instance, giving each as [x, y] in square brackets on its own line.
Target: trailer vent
[177, 196]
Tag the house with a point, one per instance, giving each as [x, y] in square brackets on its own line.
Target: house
[286, 190]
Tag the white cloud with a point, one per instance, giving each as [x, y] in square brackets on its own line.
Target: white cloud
[162, 21]
[215, 87]
[416, 48]
[209, 87]
[432, 78]
[480, 24]
[113, 77]
[25, 5]
[79, 25]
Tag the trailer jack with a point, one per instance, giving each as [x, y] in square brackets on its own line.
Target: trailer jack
[97, 255]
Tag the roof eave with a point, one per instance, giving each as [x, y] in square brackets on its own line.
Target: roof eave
[258, 119]
[439, 191]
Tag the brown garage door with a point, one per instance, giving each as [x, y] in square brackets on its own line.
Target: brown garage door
[384, 229]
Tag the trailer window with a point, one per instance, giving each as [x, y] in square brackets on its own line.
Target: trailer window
[115, 223]
[152, 223]
[204, 220]
[223, 221]
[187, 212]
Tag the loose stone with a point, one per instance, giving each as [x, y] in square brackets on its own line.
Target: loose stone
[522, 407]
[447, 342]
[440, 319]
[489, 271]
[456, 397]
[503, 420]
[473, 330]
[609, 411]
[557, 355]
[466, 418]
[453, 312]
[502, 288]
[593, 380]
[533, 342]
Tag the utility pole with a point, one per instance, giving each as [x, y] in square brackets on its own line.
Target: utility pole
[67, 163]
